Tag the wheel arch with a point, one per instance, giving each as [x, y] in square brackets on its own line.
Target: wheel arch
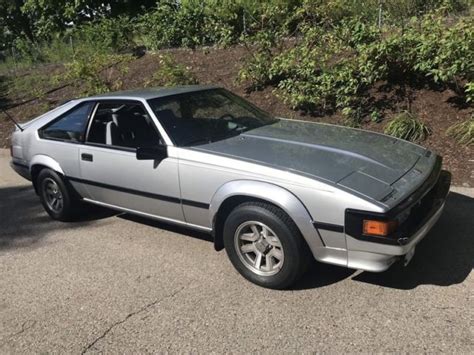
[233, 193]
[40, 162]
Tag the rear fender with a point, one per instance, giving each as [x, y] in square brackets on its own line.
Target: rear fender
[46, 161]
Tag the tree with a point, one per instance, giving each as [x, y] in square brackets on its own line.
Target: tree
[40, 19]
[13, 22]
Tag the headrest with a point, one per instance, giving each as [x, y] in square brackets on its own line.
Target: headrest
[123, 120]
[115, 118]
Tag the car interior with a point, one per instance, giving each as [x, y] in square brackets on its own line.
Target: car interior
[122, 125]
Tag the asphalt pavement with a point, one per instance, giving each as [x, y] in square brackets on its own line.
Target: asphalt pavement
[120, 284]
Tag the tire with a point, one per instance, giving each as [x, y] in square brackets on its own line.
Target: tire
[284, 253]
[52, 187]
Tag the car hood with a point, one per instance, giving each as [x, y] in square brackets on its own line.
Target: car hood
[365, 162]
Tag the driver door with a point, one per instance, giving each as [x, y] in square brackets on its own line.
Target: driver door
[109, 167]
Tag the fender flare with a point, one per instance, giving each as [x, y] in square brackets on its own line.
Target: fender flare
[276, 195]
[47, 161]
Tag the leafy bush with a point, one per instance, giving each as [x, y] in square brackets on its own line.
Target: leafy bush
[26, 51]
[171, 73]
[463, 132]
[94, 74]
[174, 24]
[334, 70]
[106, 35]
[469, 91]
[407, 126]
[28, 86]
[192, 23]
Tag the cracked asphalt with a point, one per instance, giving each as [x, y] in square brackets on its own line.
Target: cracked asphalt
[120, 284]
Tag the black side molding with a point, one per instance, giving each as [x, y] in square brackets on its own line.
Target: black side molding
[141, 193]
[329, 227]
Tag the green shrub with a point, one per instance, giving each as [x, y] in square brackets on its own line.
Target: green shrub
[95, 74]
[469, 92]
[171, 73]
[174, 24]
[463, 132]
[106, 35]
[333, 70]
[26, 51]
[192, 23]
[392, 11]
[407, 126]
[29, 86]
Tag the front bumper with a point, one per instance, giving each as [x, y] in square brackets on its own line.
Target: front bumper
[378, 255]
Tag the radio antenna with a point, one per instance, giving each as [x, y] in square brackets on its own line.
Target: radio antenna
[13, 120]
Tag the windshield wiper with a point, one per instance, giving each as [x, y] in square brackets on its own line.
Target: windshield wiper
[229, 134]
[198, 141]
[207, 140]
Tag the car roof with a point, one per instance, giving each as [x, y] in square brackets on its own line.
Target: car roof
[153, 93]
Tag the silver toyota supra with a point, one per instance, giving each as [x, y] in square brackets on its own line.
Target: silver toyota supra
[274, 193]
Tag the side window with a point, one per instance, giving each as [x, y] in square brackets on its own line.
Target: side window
[122, 124]
[70, 126]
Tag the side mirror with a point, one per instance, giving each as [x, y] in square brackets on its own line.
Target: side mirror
[158, 152]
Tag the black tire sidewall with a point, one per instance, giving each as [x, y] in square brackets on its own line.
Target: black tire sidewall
[290, 239]
[67, 211]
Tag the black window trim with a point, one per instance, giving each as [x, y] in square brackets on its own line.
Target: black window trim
[61, 116]
[115, 147]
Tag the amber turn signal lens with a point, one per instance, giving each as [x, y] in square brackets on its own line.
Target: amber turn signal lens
[378, 228]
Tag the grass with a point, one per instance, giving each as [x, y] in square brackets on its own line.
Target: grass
[29, 85]
[463, 132]
[408, 127]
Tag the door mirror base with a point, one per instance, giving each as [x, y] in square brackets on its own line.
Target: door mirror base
[158, 152]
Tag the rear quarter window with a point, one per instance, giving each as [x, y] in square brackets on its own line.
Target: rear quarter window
[70, 126]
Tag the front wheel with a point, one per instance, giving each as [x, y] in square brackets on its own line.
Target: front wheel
[264, 245]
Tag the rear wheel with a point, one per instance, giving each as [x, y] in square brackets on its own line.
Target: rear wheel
[264, 245]
[58, 200]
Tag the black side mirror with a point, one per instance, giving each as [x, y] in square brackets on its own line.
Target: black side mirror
[158, 152]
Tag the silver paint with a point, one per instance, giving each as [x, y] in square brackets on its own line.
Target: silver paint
[314, 172]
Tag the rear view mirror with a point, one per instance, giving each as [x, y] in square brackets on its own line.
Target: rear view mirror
[158, 152]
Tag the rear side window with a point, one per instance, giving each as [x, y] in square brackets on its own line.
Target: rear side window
[70, 126]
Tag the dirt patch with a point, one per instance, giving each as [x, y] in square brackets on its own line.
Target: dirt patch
[439, 109]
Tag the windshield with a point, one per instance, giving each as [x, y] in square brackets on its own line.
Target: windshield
[206, 116]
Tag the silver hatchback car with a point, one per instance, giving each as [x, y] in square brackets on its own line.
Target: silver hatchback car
[274, 193]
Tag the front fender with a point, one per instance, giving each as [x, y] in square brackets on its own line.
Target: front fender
[276, 195]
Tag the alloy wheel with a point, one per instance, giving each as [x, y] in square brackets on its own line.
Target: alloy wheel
[259, 248]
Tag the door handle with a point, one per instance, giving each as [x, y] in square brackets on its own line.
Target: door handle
[87, 157]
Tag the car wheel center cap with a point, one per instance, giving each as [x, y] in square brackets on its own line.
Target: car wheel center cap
[263, 246]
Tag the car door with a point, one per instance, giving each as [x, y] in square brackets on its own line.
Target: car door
[109, 167]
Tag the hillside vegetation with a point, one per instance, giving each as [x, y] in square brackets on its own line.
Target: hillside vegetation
[403, 67]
